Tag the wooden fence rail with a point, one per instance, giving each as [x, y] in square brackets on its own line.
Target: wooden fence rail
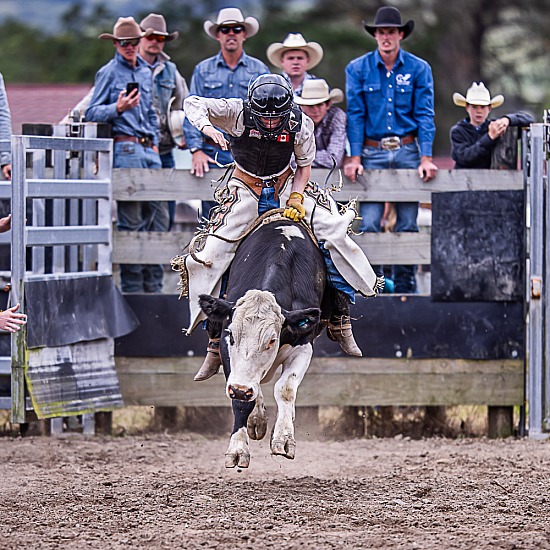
[402, 380]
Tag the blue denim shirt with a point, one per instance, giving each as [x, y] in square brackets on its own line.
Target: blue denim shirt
[214, 78]
[5, 121]
[141, 121]
[384, 103]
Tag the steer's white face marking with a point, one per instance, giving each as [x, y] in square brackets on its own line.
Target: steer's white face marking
[253, 338]
[290, 231]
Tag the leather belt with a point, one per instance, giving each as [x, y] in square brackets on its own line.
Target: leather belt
[257, 184]
[145, 141]
[389, 143]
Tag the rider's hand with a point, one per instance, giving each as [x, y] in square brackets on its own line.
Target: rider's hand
[295, 207]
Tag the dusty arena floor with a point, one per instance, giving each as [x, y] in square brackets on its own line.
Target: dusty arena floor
[171, 492]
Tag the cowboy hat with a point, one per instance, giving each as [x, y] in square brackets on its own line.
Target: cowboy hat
[477, 94]
[157, 25]
[125, 29]
[316, 90]
[176, 118]
[390, 17]
[295, 41]
[232, 16]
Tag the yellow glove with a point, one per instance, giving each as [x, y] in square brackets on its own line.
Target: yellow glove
[295, 207]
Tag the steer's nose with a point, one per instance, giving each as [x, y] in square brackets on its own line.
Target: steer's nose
[241, 393]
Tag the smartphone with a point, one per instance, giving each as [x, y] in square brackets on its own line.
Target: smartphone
[131, 86]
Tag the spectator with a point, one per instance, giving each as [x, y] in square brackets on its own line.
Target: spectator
[135, 133]
[5, 128]
[474, 138]
[330, 122]
[295, 56]
[169, 89]
[264, 133]
[10, 320]
[390, 122]
[228, 75]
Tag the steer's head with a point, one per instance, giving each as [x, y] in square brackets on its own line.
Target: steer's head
[250, 340]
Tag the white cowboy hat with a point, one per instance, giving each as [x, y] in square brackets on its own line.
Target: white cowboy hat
[157, 24]
[175, 123]
[125, 29]
[232, 16]
[316, 90]
[477, 94]
[295, 41]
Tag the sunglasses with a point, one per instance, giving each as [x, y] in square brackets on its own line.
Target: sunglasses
[226, 30]
[129, 42]
[158, 37]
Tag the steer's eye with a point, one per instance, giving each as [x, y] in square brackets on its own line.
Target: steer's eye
[271, 343]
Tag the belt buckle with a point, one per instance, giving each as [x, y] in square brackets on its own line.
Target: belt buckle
[145, 141]
[265, 183]
[390, 143]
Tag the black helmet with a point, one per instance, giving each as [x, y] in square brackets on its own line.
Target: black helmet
[270, 96]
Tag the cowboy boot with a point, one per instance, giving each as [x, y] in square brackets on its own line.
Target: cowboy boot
[339, 326]
[212, 361]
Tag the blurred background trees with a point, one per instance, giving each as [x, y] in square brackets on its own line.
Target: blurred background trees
[504, 43]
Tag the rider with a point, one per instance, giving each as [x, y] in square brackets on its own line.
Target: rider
[264, 134]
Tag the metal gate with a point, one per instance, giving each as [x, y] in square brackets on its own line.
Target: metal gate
[61, 249]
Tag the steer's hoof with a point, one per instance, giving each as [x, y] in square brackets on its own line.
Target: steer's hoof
[240, 459]
[286, 448]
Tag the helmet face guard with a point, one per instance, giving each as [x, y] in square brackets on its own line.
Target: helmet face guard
[270, 97]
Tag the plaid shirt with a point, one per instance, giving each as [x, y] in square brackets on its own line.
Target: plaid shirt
[330, 139]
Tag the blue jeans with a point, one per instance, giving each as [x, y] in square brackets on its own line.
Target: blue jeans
[167, 161]
[140, 216]
[373, 158]
[223, 157]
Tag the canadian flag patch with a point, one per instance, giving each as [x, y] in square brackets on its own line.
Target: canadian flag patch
[255, 134]
[283, 138]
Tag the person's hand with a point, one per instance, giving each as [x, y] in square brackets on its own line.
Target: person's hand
[216, 136]
[199, 163]
[127, 102]
[352, 168]
[295, 207]
[427, 169]
[5, 223]
[497, 128]
[11, 321]
[155, 148]
[6, 170]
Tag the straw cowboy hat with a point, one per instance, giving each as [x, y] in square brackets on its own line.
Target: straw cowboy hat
[477, 94]
[156, 23]
[232, 16]
[125, 29]
[390, 17]
[316, 90]
[295, 41]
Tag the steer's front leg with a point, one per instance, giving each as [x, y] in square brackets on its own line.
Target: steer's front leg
[286, 388]
[238, 452]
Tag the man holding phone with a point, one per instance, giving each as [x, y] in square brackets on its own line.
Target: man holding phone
[123, 97]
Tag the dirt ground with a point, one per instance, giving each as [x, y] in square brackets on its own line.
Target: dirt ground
[172, 491]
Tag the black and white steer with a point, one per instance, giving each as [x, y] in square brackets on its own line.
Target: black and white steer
[270, 318]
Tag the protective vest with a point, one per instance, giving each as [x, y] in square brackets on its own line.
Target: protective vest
[261, 156]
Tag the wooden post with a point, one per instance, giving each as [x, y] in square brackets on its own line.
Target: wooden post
[166, 418]
[505, 153]
[104, 423]
[501, 422]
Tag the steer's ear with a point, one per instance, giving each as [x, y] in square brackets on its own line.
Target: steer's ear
[302, 321]
[215, 309]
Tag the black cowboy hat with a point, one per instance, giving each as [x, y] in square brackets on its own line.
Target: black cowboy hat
[390, 17]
